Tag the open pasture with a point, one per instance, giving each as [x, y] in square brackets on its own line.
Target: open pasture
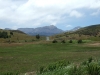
[22, 58]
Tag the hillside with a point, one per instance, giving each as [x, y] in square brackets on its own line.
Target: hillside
[14, 36]
[91, 32]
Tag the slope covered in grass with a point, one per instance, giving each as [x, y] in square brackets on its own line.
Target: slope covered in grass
[15, 36]
[89, 33]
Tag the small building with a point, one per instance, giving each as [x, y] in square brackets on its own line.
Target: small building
[47, 39]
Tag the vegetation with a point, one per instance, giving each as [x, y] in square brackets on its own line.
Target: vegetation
[86, 33]
[3, 34]
[22, 58]
[20, 53]
[63, 41]
[70, 41]
[79, 41]
[64, 68]
[93, 30]
[15, 36]
[54, 41]
[38, 36]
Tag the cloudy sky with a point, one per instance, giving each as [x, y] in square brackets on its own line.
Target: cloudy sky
[65, 14]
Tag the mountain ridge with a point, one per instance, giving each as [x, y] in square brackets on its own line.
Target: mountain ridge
[45, 31]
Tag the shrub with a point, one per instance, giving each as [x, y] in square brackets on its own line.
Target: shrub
[93, 68]
[75, 70]
[25, 40]
[90, 60]
[54, 41]
[79, 41]
[41, 70]
[63, 41]
[38, 36]
[52, 67]
[70, 41]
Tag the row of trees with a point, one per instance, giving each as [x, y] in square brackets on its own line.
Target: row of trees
[70, 41]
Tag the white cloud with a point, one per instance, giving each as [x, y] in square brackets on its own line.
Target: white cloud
[96, 13]
[76, 14]
[68, 26]
[38, 12]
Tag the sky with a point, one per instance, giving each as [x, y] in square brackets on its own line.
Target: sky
[64, 14]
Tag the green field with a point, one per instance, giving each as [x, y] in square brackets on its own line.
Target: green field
[22, 58]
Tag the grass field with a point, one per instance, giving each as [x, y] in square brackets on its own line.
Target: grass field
[22, 58]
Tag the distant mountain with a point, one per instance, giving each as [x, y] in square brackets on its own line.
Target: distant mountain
[7, 29]
[76, 28]
[46, 30]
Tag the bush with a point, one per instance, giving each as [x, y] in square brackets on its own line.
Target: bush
[80, 41]
[38, 36]
[70, 41]
[76, 70]
[25, 40]
[93, 68]
[54, 41]
[63, 41]
[90, 60]
[54, 66]
[88, 67]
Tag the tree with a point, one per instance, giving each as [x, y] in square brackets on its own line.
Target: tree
[38, 36]
[79, 41]
[70, 41]
[11, 33]
[3, 35]
[54, 41]
[63, 41]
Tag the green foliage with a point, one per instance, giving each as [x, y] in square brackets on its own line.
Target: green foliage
[70, 41]
[90, 60]
[11, 33]
[92, 68]
[3, 34]
[79, 41]
[54, 41]
[38, 36]
[63, 41]
[25, 40]
[53, 67]
[76, 70]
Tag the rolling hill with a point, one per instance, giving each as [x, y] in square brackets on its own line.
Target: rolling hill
[89, 32]
[15, 36]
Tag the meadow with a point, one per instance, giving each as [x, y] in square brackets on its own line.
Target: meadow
[29, 57]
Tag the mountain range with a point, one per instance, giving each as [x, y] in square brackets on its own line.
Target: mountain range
[45, 31]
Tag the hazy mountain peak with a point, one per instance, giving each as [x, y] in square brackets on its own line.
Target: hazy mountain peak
[46, 30]
[52, 26]
[75, 28]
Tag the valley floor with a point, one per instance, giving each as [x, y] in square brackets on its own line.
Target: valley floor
[29, 57]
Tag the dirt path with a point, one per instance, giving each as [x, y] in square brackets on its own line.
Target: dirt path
[94, 44]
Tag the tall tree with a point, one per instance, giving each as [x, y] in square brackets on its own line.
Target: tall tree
[38, 36]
